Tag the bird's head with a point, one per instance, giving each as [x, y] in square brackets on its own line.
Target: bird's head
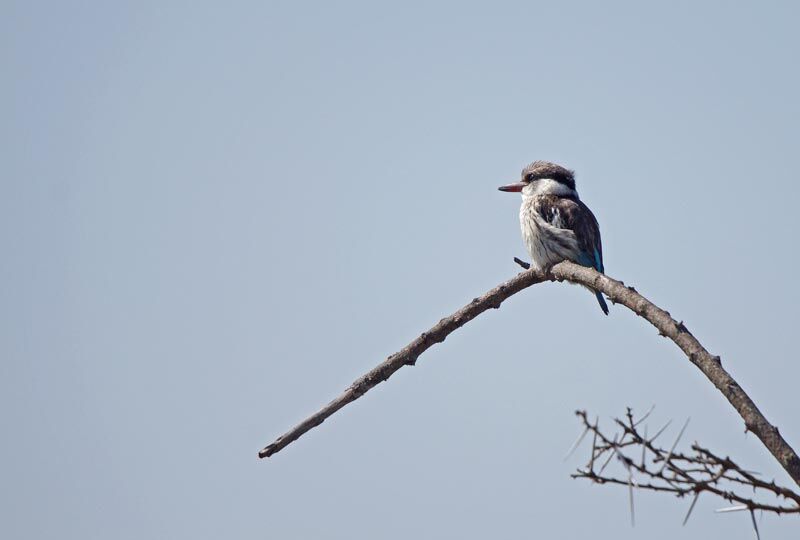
[541, 177]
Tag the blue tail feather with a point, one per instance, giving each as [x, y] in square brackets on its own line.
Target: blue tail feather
[595, 262]
[602, 302]
[598, 262]
[598, 265]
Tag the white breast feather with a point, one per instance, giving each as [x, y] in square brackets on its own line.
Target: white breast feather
[546, 244]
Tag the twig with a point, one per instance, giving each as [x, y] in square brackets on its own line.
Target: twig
[618, 293]
[667, 471]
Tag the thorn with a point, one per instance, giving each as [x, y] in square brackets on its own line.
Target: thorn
[576, 443]
[669, 455]
[737, 508]
[627, 463]
[717, 359]
[755, 525]
[691, 507]
[611, 455]
[660, 431]
[630, 498]
[644, 446]
[643, 418]
[522, 263]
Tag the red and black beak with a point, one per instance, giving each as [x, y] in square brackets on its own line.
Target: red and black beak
[514, 188]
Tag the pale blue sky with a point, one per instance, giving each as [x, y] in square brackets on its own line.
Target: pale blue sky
[215, 217]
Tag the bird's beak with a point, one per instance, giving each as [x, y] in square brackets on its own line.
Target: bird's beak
[513, 187]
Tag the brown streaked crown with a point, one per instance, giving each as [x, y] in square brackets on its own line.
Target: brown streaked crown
[545, 169]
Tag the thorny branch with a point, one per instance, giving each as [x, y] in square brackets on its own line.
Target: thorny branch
[618, 293]
[647, 466]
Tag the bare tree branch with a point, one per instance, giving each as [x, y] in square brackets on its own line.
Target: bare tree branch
[710, 365]
[618, 293]
[668, 471]
[409, 354]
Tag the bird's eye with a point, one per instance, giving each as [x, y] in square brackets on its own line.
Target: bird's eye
[529, 177]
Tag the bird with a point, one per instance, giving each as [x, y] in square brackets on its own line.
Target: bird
[556, 225]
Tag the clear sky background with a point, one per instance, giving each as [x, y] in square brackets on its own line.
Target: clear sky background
[214, 217]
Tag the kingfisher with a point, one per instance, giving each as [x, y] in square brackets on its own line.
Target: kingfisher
[555, 223]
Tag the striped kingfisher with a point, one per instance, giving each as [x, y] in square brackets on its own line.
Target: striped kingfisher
[555, 223]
